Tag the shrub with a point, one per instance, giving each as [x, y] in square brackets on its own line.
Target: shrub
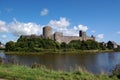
[0, 60]
[116, 71]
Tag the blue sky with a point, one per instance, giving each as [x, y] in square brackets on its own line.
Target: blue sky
[100, 18]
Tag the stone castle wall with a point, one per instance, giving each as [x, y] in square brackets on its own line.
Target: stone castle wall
[59, 37]
[67, 39]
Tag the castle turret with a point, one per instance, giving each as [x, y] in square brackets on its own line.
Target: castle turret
[58, 36]
[47, 32]
[82, 35]
[93, 37]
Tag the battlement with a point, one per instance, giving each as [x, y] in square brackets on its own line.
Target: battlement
[59, 37]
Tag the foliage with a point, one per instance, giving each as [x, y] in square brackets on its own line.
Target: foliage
[31, 44]
[37, 44]
[117, 49]
[84, 45]
[0, 60]
[116, 71]
[10, 46]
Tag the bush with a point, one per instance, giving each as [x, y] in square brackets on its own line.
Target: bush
[0, 60]
[116, 71]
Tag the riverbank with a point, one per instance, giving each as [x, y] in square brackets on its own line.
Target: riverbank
[57, 52]
[13, 72]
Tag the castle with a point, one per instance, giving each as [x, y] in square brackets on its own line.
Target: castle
[59, 37]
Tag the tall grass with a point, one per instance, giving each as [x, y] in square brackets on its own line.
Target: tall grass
[15, 72]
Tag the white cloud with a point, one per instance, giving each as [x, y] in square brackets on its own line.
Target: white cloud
[62, 23]
[80, 27]
[19, 28]
[2, 23]
[3, 27]
[70, 32]
[4, 36]
[44, 12]
[100, 37]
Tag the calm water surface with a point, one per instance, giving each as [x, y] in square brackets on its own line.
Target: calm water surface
[95, 63]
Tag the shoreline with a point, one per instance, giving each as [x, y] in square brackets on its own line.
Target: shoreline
[58, 52]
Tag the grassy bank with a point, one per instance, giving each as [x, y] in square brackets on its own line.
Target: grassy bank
[58, 52]
[13, 72]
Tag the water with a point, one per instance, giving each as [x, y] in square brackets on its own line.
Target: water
[95, 63]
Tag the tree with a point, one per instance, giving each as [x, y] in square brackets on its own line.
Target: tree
[10, 46]
[110, 45]
[63, 45]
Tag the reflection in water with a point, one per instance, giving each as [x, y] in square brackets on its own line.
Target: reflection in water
[96, 63]
[3, 57]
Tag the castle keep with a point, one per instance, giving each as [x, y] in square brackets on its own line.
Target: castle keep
[59, 37]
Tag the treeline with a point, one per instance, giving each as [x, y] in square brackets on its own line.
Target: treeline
[37, 44]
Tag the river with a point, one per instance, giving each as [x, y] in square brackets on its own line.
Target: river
[95, 63]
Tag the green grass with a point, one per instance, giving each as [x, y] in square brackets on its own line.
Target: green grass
[58, 52]
[15, 72]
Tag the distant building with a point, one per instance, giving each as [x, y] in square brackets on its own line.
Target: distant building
[2, 45]
[103, 44]
[59, 37]
[112, 44]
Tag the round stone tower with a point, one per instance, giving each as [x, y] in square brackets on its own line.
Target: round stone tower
[47, 32]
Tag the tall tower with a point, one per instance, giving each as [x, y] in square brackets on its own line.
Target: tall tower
[82, 35]
[47, 32]
[93, 38]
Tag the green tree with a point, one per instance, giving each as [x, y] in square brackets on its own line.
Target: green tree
[10, 46]
[110, 45]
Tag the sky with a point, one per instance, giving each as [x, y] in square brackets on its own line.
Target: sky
[100, 18]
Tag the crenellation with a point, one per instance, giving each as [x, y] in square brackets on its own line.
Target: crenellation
[59, 37]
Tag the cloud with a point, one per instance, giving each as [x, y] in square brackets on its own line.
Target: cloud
[44, 12]
[70, 32]
[4, 36]
[118, 32]
[61, 23]
[20, 28]
[80, 27]
[100, 37]
[3, 27]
